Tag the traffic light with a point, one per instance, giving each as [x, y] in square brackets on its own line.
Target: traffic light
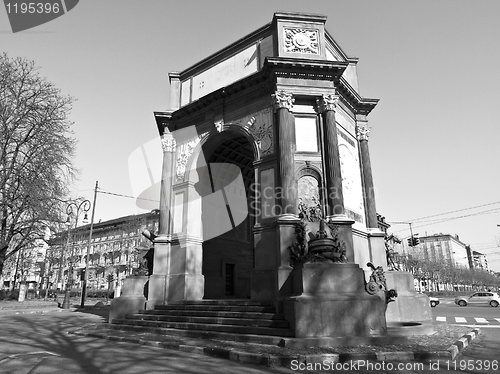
[416, 240]
[410, 242]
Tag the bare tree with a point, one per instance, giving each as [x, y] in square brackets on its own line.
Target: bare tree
[36, 150]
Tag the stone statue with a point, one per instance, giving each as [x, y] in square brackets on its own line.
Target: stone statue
[145, 258]
[377, 284]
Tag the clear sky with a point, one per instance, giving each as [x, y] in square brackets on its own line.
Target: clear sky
[434, 65]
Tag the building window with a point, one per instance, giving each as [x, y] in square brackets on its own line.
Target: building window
[306, 134]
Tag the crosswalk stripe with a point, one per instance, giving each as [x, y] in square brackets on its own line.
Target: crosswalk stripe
[441, 319]
[481, 320]
[460, 320]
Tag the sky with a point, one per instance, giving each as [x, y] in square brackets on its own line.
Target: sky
[434, 65]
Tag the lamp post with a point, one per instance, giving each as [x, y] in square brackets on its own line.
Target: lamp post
[85, 207]
[86, 275]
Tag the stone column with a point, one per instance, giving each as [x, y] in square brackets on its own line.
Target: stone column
[335, 211]
[283, 103]
[333, 175]
[158, 281]
[375, 235]
[363, 132]
[271, 277]
[168, 145]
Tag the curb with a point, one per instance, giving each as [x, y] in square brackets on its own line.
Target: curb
[10, 312]
[270, 360]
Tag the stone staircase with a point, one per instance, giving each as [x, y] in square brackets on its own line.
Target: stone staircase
[232, 320]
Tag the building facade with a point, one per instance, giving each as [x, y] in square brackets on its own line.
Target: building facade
[443, 248]
[26, 265]
[114, 249]
[480, 260]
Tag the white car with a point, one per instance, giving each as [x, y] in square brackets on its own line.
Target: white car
[479, 298]
[434, 301]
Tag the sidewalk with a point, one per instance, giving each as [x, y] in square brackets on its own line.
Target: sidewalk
[270, 356]
[30, 306]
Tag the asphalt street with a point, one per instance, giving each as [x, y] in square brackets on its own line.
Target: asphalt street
[477, 316]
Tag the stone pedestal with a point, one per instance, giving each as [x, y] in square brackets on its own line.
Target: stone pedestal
[133, 299]
[331, 301]
[409, 306]
[271, 276]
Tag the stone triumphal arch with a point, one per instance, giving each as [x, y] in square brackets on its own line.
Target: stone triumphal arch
[265, 150]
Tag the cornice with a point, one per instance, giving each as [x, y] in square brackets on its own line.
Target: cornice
[305, 68]
[294, 16]
[360, 105]
[162, 119]
[274, 67]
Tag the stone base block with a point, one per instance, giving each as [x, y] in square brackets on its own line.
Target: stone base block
[338, 315]
[135, 285]
[121, 306]
[185, 287]
[156, 291]
[409, 306]
[331, 301]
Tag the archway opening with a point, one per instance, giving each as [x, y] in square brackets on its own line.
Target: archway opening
[228, 258]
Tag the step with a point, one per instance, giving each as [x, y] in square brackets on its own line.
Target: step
[196, 334]
[222, 314]
[237, 302]
[273, 331]
[218, 307]
[212, 320]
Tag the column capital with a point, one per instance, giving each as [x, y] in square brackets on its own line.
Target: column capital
[362, 130]
[168, 142]
[327, 102]
[282, 100]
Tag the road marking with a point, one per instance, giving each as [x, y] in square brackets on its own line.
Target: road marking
[481, 320]
[497, 319]
[441, 319]
[460, 320]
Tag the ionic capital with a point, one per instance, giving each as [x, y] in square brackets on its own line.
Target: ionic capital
[327, 102]
[282, 100]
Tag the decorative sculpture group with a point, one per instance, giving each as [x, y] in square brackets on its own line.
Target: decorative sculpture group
[320, 247]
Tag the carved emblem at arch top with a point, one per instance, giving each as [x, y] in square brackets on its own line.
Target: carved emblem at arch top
[260, 126]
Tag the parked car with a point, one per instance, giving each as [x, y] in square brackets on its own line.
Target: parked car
[434, 301]
[479, 298]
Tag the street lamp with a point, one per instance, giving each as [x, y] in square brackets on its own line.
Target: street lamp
[86, 275]
[85, 207]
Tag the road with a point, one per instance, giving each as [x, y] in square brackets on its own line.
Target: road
[477, 316]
